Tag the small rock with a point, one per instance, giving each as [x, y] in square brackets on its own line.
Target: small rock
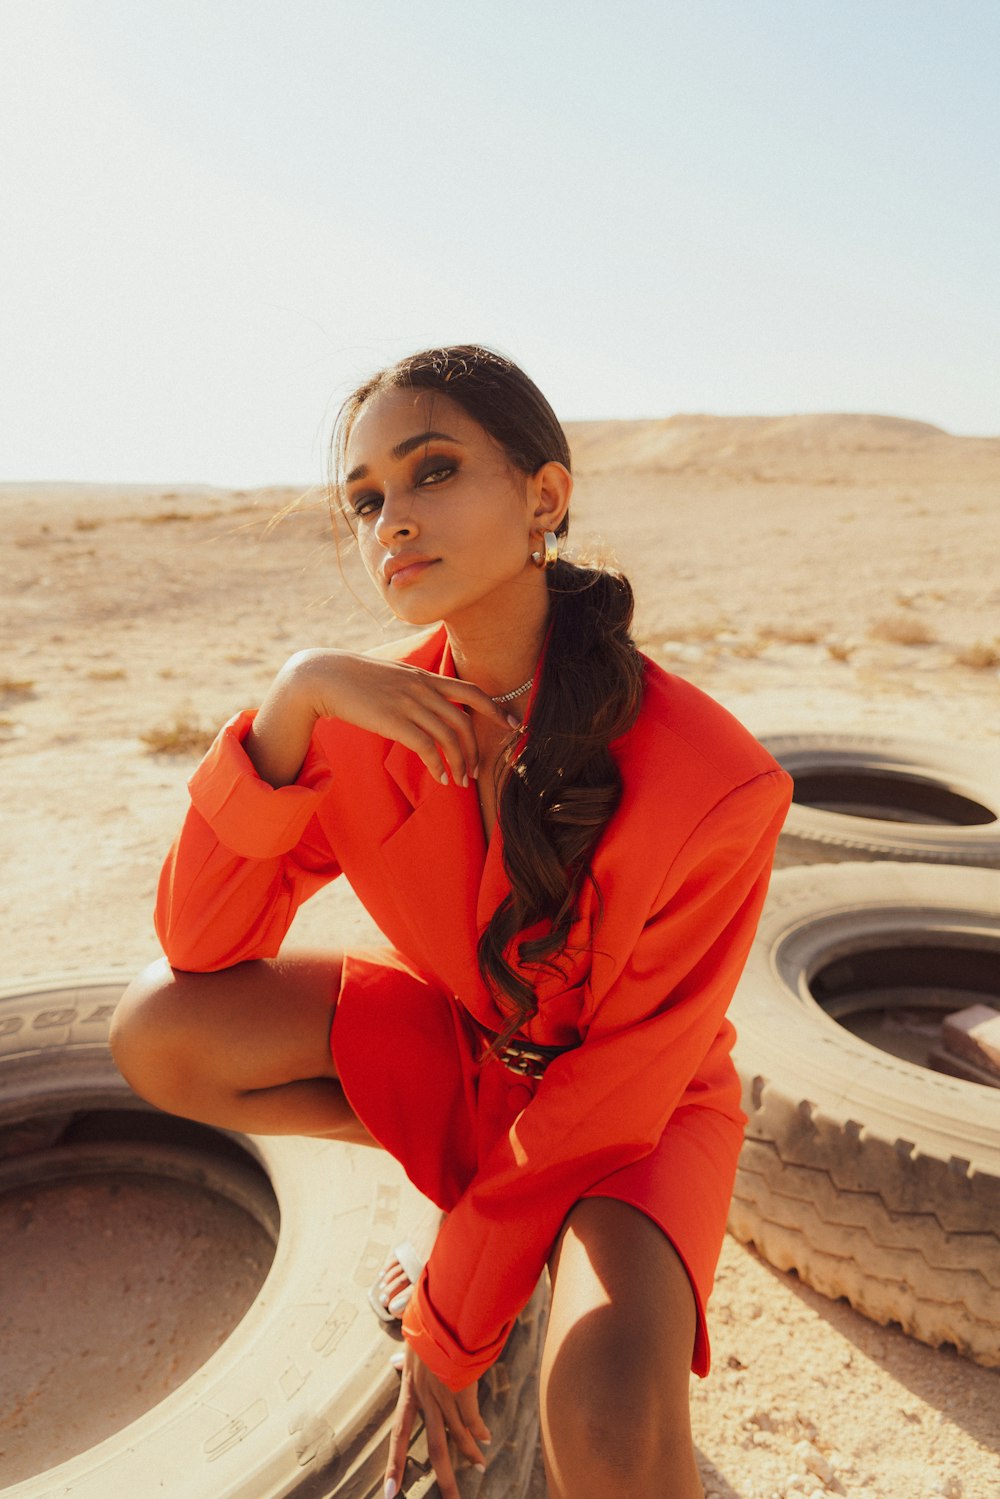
[813, 1461]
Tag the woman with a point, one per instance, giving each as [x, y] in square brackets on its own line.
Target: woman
[568, 850]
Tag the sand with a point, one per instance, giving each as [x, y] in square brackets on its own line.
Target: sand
[813, 573]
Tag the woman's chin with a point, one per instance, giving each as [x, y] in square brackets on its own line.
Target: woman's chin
[413, 611]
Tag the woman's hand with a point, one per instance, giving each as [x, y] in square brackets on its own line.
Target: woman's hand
[419, 709]
[446, 1414]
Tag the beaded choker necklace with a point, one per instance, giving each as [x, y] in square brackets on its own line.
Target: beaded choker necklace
[508, 697]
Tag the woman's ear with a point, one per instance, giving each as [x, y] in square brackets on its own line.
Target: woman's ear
[550, 489]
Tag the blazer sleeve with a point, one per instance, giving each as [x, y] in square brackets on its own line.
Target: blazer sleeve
[246, 858]
[605, 1104]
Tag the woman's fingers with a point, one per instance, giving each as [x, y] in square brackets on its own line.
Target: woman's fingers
[451, 732]
[468, 1408]
[475, 698]
[437, 1451]
[444, 1418]
[399, 1440]
[429, 714]
[440, 1423]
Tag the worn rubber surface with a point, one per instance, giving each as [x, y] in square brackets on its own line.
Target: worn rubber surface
[873, 1178]
[299, 1399]
[883, 797]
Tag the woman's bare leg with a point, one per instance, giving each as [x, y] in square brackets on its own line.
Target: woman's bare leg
[246, 1048]
[617, 1360]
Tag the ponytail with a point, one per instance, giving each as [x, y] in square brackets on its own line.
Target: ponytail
[559, 785]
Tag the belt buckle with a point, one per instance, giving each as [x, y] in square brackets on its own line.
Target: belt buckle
[524, 1061]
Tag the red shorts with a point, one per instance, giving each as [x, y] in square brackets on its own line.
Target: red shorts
[405, 1053]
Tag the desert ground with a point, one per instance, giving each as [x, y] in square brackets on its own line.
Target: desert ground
[813, 573]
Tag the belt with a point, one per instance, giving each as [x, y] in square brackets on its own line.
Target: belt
[527, 1058]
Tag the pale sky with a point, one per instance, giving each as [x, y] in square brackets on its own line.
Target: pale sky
[217, 215]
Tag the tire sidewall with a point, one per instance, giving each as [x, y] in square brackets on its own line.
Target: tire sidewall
[293, 1396]
[959, 769]
[785, 1037]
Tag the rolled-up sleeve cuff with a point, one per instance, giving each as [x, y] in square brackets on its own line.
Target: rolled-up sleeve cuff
[253, 819]
[452, 1365]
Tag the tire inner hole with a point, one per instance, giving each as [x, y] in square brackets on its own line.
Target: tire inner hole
[131, 1245]
[896, 996]
[889, 796]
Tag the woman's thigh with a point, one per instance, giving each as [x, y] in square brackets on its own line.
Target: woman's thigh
[258, 1033]
[617, 1359]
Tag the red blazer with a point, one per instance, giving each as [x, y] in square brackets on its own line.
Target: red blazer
[682, 870]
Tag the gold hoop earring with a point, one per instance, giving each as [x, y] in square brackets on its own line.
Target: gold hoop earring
[548, 555]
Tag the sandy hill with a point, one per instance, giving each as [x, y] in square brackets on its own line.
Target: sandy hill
[824, 448]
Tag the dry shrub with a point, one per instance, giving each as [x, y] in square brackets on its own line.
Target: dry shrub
[980, 657]
[839, 650]
[109, 674]
[185, 736]
[792, 634]
[901, 629]
[16, 687]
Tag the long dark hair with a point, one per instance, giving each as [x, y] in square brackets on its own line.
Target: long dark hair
[557, 784]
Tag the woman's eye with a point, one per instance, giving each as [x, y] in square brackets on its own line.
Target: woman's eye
[437, 474]
[365, 504]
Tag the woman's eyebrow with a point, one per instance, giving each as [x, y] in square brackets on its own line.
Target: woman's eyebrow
[401, 449]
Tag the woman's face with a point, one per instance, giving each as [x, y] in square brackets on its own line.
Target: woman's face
[442, 519]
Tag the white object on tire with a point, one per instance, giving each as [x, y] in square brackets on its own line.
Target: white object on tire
[871, 797]
[299, 1399]
[872, 1177]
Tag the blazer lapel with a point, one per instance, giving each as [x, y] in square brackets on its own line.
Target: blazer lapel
[434, 862]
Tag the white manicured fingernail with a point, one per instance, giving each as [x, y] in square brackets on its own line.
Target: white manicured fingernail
[391, 1488]
[398, 1303]
[444, 778]
[479, 1467]
[465, 780]
[515, 723]
[397, 1360]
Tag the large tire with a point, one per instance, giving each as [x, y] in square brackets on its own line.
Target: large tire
[874, 1178]
[861, 797]
[299, 1398]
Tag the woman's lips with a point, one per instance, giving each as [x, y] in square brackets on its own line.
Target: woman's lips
[409, 573]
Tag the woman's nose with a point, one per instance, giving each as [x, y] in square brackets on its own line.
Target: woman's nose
[395, 518]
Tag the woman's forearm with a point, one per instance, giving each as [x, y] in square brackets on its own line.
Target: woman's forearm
[282, 729]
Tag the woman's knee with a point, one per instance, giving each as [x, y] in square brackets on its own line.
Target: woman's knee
[616, 1367]
[150, 1035]
[606, 1414]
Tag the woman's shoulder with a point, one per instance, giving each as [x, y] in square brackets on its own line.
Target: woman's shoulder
[684, 731]
[422, 649]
